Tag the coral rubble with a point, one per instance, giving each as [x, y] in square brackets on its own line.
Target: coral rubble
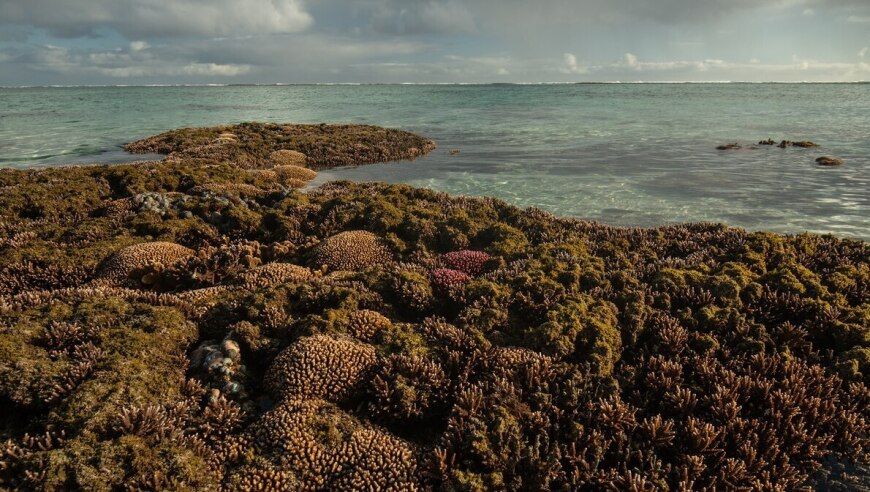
[194, 324]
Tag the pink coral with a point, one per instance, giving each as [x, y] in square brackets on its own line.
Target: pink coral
[467, 261]
[447, 279]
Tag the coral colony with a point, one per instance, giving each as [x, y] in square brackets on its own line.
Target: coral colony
[197, 323]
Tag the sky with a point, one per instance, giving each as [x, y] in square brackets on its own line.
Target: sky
[83, 42]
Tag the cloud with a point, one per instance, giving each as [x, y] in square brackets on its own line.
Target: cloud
[809, 12]
[857, 19]
[143, 19]
[138, 61]
[863, 51]
[570, 65]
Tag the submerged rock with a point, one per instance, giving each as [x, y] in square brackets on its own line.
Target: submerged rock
[829, 161]
[731, 146]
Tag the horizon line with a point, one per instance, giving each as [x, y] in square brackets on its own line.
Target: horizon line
[291, 84]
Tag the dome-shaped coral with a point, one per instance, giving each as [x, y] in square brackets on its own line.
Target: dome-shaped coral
[351, 250]
[468, 261]
[328, 449]
[365, 324]
[273, 274]
[294, 172]
[119, 267]
[320, 366]
[287, 158]
[376, 461]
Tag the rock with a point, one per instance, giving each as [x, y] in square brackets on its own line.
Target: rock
[731, 146]
[829, 161]
[805, 144]
[454, 151]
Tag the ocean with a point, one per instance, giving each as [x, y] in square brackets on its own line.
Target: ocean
[622, 154]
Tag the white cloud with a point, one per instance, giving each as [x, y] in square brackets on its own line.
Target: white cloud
[809, 12]
[631, 61]
[139, 46]
[863, 51]
[191, 69]
[570, 65]
[857, 19]
[149, 18]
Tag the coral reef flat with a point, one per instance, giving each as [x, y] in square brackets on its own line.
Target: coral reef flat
[199, 323]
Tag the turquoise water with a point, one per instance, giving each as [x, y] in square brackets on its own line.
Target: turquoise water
[632, 154]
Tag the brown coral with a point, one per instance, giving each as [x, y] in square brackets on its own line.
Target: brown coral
[291, 172]
[287, 158]
[351, 250]
[365, 324]
[119, 268]
[320, 366]
[273, 274]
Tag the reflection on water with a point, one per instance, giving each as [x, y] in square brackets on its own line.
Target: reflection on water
[623, 154]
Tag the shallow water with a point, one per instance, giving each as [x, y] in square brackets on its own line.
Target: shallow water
[624, 154]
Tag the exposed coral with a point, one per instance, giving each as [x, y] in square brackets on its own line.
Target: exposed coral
[287, 158]
[365, 324]
[451, 343]
[320, 367]
[121, 267]
[273, 274]
[471, 262]
[322, 146]
[293, 173]
[351, 250]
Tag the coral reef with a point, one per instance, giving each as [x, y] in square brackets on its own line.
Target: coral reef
[264, 145]
[351, 250]
[126, 263]
[193, 324]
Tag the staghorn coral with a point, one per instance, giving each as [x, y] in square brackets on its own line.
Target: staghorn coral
[350, 250]
[320, 367]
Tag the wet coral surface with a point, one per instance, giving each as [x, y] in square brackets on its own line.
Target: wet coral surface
[225, 332]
